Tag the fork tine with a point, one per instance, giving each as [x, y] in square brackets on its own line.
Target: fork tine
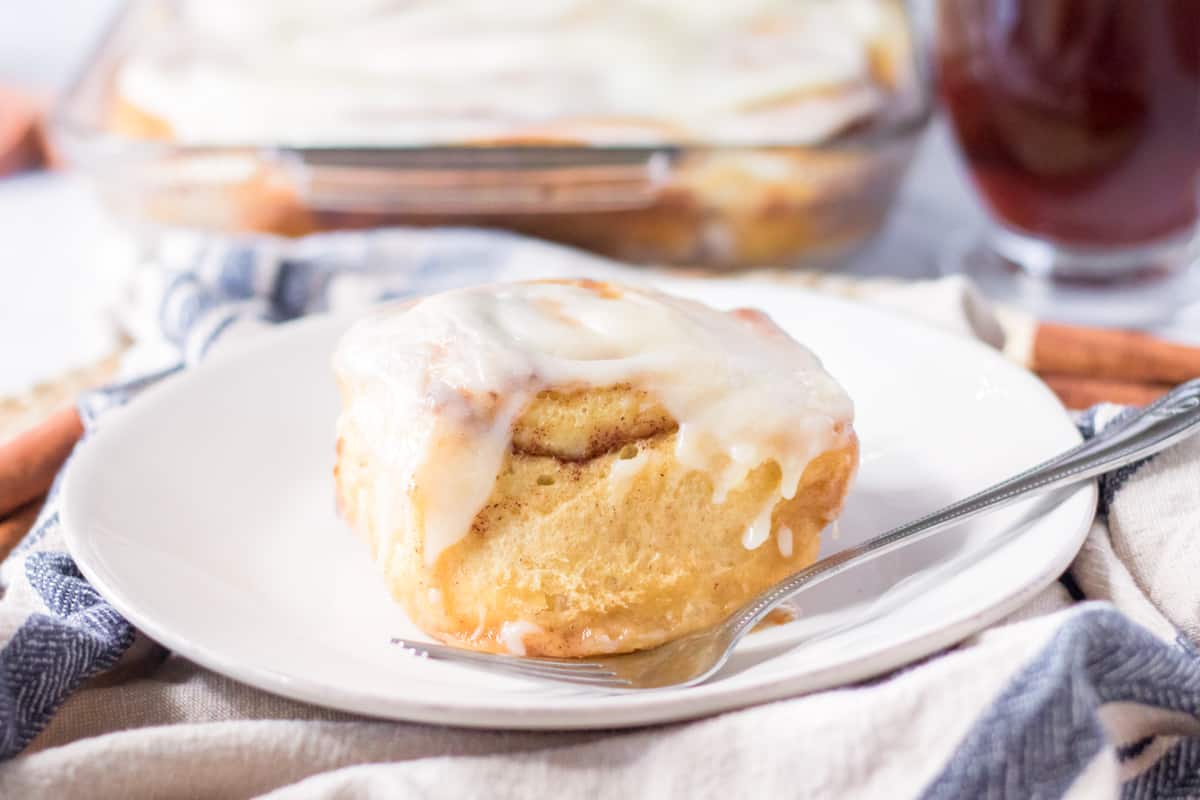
[572, 663]
[551, 670]
[599, 682]
[533, 671]
[459, 653]
[523, 665]
[589, 674]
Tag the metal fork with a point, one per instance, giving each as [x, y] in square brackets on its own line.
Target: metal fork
[693, 658]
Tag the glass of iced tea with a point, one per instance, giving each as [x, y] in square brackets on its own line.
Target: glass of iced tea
[1079, 122]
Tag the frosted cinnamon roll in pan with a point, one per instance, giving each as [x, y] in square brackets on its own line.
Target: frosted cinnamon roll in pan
[429, 72]
[574, 468]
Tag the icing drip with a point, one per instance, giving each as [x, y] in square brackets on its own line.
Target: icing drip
[622, 473]
[512, 635]
[760, 529]
[434, 389]
[784, 539]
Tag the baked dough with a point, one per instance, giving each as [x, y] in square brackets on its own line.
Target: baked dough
[599, 531]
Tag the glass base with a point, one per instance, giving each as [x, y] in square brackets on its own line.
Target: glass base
[1126, 287]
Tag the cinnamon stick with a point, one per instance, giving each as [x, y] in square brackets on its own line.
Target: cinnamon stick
[1129, 357]
[14, 527]
[1079, 392]
[29, 461]
[23, 142]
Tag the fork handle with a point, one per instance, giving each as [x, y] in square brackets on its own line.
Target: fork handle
[1161, 424]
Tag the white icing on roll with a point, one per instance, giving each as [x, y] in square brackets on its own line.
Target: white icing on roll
[783, 540]
[513, 634]
[435, 388]
[444, 71]
[622, 474]
[759, 530]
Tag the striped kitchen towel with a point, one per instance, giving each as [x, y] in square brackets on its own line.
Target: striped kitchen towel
[1092, 690]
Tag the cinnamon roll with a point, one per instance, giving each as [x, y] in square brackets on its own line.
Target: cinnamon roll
[751, 97]
[575, 468]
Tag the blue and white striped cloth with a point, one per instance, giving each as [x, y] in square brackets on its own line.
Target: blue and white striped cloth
[1092, 691]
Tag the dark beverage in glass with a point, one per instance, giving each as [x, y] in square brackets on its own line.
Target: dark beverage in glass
[1079, 121]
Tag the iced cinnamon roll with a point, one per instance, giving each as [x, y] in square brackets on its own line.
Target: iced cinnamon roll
[422, 72]
[569, 469]
[752, 101]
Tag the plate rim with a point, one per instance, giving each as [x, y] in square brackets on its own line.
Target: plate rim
[657, 707]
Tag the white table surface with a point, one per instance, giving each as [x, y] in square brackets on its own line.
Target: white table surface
[52, 229]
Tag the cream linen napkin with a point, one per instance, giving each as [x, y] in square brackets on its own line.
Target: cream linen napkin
[1065, 698]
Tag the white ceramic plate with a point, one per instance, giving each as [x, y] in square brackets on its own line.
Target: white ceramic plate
[204, 513]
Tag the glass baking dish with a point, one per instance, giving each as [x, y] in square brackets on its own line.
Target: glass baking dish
[718, 206]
